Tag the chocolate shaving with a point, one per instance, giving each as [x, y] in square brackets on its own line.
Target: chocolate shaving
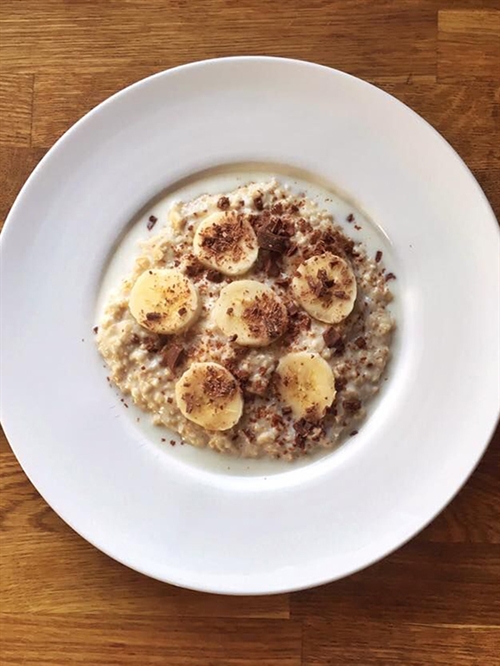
[303, 427]
[347, 245]
[340, 383]
[281, 226]
[322, 285]
[217, 384]
[233, 365]
[360, 342]
[271, 241]
[331, 337]
[378, 256]
[350, 217]
[95, 329]
[329, 238]
[298, 322]
[308, 428]
[223, 203]
[226, 237]
[305, 227]
[334, 340]
[153, 316]
[283, 281]
[190, 401]
[258, 387]
[332, 410]
[194, 268]
[258, 203]
[172, 356]
[332, 241]
[214, 276]
[339, 348]
[151, 345]
[151, 222]
[265, 317]
[390, 276]
[315, 286]
[270, 262]
[352, 405]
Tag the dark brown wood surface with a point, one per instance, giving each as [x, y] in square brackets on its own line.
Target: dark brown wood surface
[437, 599]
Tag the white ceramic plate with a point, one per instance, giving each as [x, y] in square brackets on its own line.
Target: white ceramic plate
[257, 530]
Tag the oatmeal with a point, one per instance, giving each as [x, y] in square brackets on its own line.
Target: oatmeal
[251, 324]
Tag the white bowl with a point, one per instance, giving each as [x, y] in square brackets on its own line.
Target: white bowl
[161, 513]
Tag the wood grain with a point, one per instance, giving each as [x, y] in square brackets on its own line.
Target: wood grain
[56, 639]
[431, 583]
[395, 644]
[469, 44]
[97, 35]
[16, 93]
[435, 601]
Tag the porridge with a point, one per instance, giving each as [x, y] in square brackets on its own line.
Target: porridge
[251, 324]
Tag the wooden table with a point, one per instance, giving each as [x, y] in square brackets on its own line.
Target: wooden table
[436, 600]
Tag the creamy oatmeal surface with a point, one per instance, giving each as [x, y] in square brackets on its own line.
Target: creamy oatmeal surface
[251, 324]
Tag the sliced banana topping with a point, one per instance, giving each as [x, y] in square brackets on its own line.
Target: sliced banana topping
[210, 396]
[250, 313]
[164, 301]
[306, 384]
[325, 287]
[226, 242]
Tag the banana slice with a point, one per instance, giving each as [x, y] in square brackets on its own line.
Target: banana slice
[306, 384]
[250, 313]
[325, 286]
[226, 242]
[164, 301]
[210, 396]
